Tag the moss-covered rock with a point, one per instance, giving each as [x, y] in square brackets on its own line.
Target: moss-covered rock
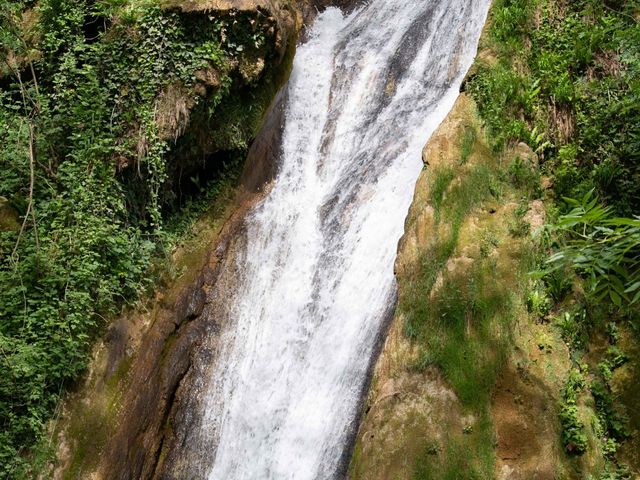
[9, 220]
[462, 388]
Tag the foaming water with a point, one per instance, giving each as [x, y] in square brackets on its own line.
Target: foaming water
[316, 276]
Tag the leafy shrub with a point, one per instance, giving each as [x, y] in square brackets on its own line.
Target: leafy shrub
[523, 175]
[573, 329]
[538, 303]
[615, 422]
[567, 84]
[510, 21]
[501, 94]
[85, 163]
[558, 284]
[603, 249]
[616, 473]
[573, 435]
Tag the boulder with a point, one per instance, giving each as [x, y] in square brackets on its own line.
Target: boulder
[526, 154]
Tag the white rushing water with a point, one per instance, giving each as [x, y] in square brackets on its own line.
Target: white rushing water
[316, 278]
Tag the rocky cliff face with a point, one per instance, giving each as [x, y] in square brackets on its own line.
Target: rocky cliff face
[233, 99]
[447, 400]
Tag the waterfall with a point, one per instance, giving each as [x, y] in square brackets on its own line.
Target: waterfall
[315, 280]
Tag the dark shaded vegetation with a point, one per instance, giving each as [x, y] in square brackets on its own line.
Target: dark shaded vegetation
[93, 96]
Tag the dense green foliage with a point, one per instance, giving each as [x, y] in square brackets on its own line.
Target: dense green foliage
[85, 164]
[564, 77]
[604, 249]
[591, 384]
[567, 82]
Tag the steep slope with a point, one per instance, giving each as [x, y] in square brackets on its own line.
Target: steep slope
[463, 388]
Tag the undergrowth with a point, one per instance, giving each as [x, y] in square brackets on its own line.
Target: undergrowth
[566, 81]
[87, 164]
[457, 310]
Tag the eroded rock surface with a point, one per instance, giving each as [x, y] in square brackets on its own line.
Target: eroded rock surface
[414, 422]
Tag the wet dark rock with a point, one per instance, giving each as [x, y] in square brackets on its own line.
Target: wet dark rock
[261, 164]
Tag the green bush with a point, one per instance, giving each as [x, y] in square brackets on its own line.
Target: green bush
[568, 84]
[86, 166]
[573, 436]
[521, 174]
[573, 329]
[538, 302]
[603, 249]
[501, 94]
[510, 21]
[615, 423]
